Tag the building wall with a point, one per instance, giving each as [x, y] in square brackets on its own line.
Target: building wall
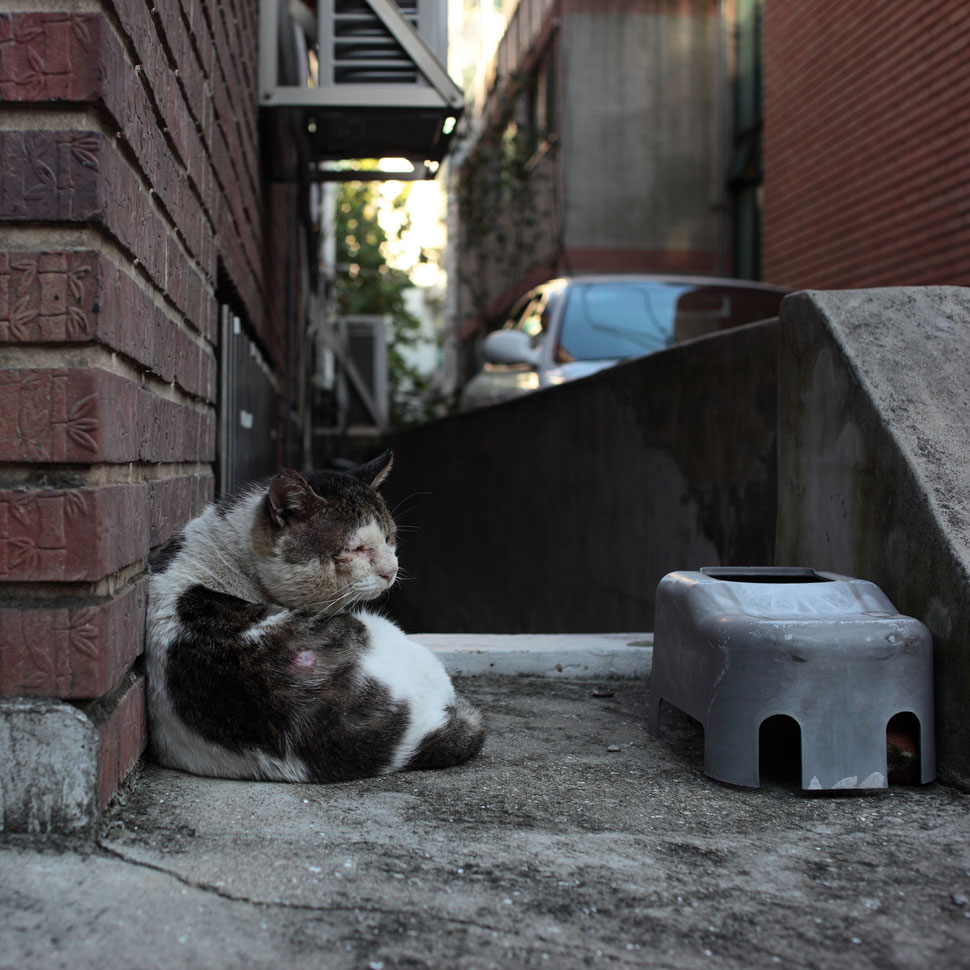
[505, 223]
[624, 177]
[639, 137]
[867, 143]
[130, 208]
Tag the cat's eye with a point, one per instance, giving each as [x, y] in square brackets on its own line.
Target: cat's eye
[348, 551]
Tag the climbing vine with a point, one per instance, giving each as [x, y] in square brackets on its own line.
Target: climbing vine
[500, 201]
[367, 284]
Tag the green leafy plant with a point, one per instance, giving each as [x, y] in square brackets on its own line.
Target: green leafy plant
[366, 284]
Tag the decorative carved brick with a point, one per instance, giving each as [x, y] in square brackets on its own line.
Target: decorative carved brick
[80, 297]
[57, 535]
[70, 651]
[75, 415]
[50, 56]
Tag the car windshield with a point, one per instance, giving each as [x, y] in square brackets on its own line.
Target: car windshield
[615, 320]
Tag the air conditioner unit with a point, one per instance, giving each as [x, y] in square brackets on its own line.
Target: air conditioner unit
[365, 370]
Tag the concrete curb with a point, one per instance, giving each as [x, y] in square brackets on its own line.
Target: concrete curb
[560, 655]
[48, 767]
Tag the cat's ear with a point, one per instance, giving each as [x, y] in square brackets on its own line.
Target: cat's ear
[288, 495]
[374, 472]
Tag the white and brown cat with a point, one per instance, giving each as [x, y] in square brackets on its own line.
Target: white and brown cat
[259, 666]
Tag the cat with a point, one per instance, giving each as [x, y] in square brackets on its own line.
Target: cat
[257, 664]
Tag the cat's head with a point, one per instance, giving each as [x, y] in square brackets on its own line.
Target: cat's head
[325, 540]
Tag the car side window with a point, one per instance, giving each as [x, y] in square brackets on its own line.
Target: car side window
[528, 316]
[535, 320]
[519, 312]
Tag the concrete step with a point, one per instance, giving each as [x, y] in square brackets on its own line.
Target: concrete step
[561, 655]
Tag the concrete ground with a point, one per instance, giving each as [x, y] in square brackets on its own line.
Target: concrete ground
[574, 840]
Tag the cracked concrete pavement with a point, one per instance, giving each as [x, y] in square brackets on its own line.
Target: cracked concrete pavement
[575, 840]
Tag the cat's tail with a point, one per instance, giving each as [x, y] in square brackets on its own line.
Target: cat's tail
[457, 740]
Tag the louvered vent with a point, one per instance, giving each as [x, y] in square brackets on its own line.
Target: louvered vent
[358, 79]
[365, 51]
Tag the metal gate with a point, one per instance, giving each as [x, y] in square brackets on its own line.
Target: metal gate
[249, 409]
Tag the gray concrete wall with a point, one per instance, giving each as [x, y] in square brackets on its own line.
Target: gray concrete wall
[874, 464]
[639, 128]
[561, 511]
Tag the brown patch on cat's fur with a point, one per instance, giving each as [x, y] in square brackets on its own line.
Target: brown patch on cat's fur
[317, 513]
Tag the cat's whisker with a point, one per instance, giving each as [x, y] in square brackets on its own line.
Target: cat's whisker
[407, 498]
[345, 598]
[397, 511]
[329, 609]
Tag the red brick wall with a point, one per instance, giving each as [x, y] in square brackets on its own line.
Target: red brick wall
[129, 171]
[867, 143]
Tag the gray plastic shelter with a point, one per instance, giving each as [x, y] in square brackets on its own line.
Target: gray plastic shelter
[736, 646]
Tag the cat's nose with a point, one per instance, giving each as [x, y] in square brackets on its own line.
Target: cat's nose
[389, 575]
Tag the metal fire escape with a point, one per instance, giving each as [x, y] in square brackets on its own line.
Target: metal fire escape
[361, 78]
[339, 81]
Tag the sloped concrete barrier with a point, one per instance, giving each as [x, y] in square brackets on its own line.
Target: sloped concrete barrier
[874, 464]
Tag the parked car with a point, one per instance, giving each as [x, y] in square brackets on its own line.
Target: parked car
[574, 326]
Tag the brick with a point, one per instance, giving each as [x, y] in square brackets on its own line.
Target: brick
[50, 57]
[840, 209]
[79, 296]
[75, 650]
[122, 737]
[88, 415]
[78, 176]
[56, 415]
[174, 501]
[84, 534]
